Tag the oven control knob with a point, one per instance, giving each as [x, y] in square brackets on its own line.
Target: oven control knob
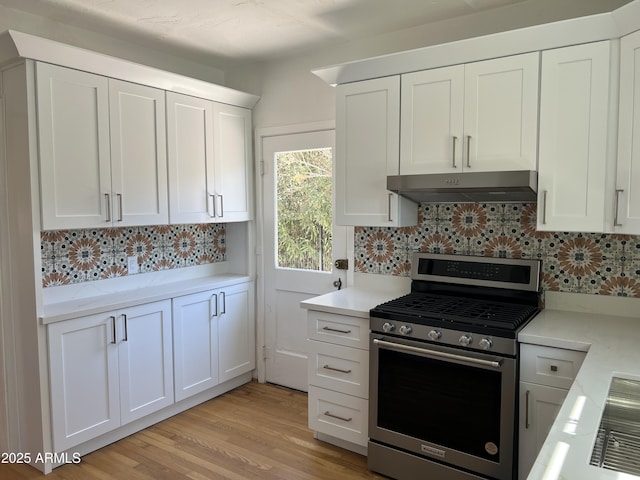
[485, 343]
[465, 340]
[434, 335]
[388, 327]
[405, 330]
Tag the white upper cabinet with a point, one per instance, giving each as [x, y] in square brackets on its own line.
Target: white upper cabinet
[480, 116]
[574, 113]
[627, 209]
[190, 152]
[209, 149]
[367, 150]
[138, 154]
[232, 159]
[102, 151]
[73, 132]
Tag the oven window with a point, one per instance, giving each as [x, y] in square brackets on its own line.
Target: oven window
[448, 404]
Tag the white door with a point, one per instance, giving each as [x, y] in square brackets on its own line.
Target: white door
[73, 133]
[574, 112]
[298, 234]
[145, 360]
[236, 333]
[190, 158]
[138, 154]
[232, 157]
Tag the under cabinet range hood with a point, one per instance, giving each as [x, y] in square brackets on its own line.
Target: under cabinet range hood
[513, 186]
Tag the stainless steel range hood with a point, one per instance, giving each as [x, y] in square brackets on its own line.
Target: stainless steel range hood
[514, 186]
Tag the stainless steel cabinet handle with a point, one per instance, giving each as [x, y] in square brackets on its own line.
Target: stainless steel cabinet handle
[544, 207]
[615, 219]
[113, 327]
[215, 302]
[469, 151]
[108, 201]
[224, 303]
[389, 206]
[211, 198]
[437, 354]
[526, 410]
[337, 330]
[126, 332]
[329, 414]
[221, 206]
[119, 195]
[327, 367]
[455, 139]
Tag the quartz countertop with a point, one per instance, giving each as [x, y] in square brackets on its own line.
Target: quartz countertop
[611, 343]
[352, 301]
[105, 300]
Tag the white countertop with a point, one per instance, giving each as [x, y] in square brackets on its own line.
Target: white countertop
[352, 301]
[612, 345]
[104, 300]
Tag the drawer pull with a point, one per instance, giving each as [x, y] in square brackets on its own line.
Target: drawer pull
[553, 368]
[329, 414]
[526, 414]
[337, 330]
[336, 369]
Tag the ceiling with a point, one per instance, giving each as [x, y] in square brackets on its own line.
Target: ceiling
[249, 30]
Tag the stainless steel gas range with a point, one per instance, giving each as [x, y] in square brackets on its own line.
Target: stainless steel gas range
[444, 369]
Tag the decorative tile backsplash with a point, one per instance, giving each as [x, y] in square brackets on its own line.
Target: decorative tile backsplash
[571, 262]
[74, 256]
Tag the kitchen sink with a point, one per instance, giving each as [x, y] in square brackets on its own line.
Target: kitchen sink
[617, 445]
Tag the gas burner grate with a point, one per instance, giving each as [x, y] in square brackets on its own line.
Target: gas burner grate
[470, 311]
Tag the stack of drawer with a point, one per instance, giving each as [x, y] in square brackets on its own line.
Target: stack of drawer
[338, 369]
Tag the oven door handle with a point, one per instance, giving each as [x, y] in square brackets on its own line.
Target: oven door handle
[439, 355]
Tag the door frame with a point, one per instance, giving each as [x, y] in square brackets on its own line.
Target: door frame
[260, 134]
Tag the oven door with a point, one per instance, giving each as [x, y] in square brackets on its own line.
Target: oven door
[452, 406]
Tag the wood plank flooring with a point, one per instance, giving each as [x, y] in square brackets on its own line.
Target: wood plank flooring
[257, 431]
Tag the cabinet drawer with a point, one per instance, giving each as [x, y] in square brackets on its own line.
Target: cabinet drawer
[555, 367]
[339, 415]
[338, 368]
[338, 329]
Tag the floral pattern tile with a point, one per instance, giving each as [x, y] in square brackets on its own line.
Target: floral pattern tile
[571, 262]
[75, 256]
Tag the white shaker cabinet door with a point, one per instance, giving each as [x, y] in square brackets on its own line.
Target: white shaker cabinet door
[628, 176]
[83, 369]
[367, 150]
[145, 360]
[236, 332]
[539, 407]
[232, 159]
[574, 111]
[73, 133]
[501, 114]
[190, 159]
[432, 121]
[195, 343]
[138, 154]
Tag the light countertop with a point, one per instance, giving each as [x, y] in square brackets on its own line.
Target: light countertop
[352, 301]
[611, 343]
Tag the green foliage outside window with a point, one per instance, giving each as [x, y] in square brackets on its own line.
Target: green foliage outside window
[304, 209]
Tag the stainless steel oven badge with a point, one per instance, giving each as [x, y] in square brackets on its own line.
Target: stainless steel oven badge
[491, 448]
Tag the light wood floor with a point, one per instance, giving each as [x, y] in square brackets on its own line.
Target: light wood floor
[257, 431]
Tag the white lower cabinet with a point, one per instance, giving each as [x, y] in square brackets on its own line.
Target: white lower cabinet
[338, 372]
[213, 338]
[109, 369]
[546, 374]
